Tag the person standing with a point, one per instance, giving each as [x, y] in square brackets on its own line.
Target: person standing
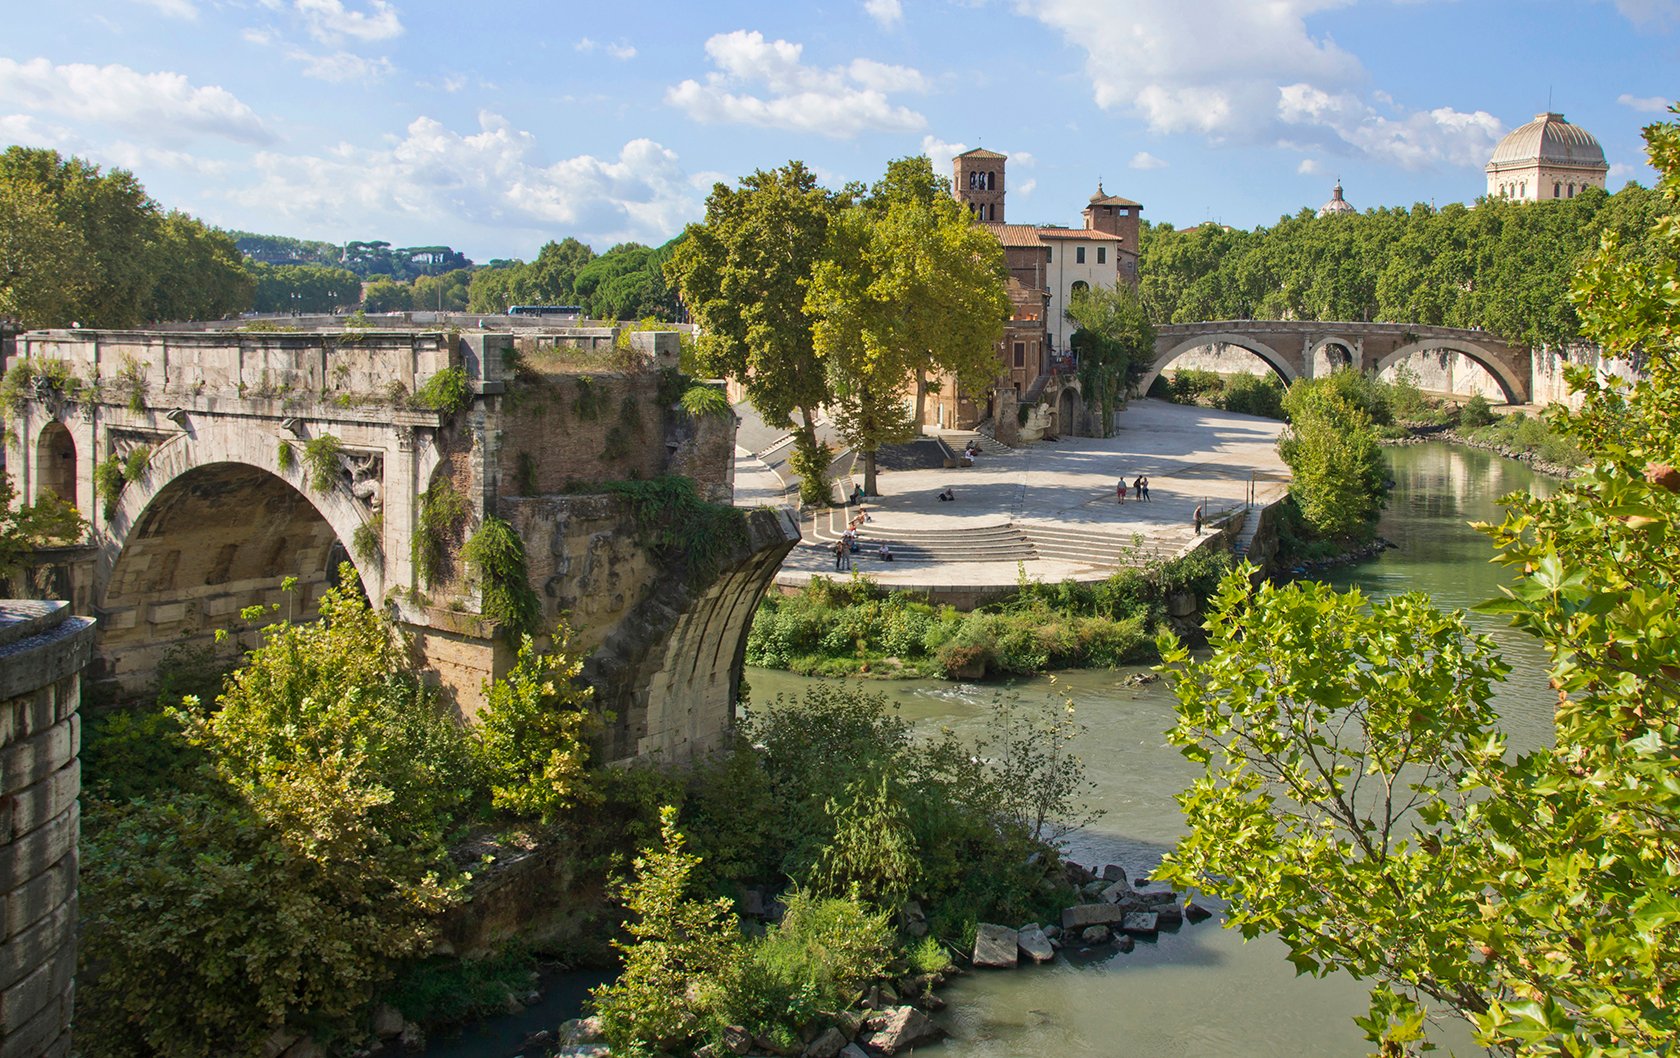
[1196, 519]
[1141, 487]
[842, 555]
[1120, 491]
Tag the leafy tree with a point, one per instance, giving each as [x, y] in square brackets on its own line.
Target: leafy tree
[442, 293]
[1339, 477]
[532, 733]
[743, 275]
[909, 287]
[1115, 343]
[385, 295]
[1359, 799]
[304, 288]
[198, 272]
[46, 267]
[684, 959]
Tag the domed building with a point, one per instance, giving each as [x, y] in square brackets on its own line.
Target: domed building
[1337, 203]
[1544, 159]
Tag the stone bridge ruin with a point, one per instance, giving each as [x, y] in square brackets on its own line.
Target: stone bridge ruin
[222, 471]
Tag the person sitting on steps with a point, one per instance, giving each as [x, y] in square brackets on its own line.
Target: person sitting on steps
[947, 494]
[885, 553]
[857, 494]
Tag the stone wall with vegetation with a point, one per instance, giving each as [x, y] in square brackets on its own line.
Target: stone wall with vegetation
[42, 652]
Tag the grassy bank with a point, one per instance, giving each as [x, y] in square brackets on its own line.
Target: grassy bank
[855, 626]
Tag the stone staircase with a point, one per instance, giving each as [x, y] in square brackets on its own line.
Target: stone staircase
[993, 543]
[1099, 548]
[989, 445]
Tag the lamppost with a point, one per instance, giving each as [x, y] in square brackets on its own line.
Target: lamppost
[297, 303]
[332, 302]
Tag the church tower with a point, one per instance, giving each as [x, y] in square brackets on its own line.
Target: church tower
[977, 181]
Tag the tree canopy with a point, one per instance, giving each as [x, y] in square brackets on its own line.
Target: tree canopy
[1359, 799]
[1115, 343]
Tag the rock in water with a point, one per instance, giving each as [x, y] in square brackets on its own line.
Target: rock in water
[894, 1030]
[1082, 915]
[994, 945]
[829, 1044]
[1140, 924]
[1035, 945]
[1094, 935]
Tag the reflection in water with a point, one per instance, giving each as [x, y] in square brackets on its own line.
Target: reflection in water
[1203, 992]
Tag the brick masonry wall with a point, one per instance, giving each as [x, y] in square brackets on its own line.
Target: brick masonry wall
[42, 652]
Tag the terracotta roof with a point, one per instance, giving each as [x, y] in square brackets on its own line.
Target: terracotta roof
[1014, 234]
[981, 152]
[1078, 233]
[1113, 200]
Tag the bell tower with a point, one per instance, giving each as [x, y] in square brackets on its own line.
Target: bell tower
[977, 181]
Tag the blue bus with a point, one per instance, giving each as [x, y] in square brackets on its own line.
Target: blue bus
[545, 310]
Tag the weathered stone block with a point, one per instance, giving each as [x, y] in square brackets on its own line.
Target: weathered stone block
[1035, 945]
[1082, 915]
[25, 763]
[34, 852]
[22, 954]
[38, 897]
[1141, 924]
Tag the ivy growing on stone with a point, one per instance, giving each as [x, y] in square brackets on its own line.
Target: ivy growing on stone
[442, 510]
[498, 555]
[320, 457]
[447, 392]
[679, 527]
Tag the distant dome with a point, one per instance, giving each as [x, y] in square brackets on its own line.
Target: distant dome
[1549, 140]
[1337, 203]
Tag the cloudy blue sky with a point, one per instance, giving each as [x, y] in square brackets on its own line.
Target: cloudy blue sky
[495, 126]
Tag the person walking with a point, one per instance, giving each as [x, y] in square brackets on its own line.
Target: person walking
[1120, 491]
[1196, 519]
[842, 555]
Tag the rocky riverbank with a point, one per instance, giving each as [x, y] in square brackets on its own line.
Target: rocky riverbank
[1425, 434]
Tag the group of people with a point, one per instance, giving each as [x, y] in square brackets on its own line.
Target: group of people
[847, 545]
[1140, 489]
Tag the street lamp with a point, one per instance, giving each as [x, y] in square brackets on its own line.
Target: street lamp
[297, 300]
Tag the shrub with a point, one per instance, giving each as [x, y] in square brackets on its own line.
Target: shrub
[367, 539]
[810, 963]
[871, 855]
[446, 990]
[1253, 395]
[701, 400]
[532, 734]
[1475, 412]
[504, 581]
[448, 392]
[437, 527]
[320, 459]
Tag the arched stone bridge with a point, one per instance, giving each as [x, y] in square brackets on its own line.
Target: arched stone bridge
[1307, 349]
[222, 471]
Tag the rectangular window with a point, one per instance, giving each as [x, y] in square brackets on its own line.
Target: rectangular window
[1048, 253]
[1079, 255]
[1102, 255]
[1020, 354]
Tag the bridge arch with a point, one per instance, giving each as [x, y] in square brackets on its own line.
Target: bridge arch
[1331, 354]
[1280, 364]
[213, 525]
[1514, 388]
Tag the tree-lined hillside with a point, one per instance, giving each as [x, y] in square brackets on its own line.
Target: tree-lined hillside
[1499, 265]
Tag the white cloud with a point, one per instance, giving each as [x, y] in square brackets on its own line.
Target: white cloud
[618, 50]
[185, 10]
[25, 129]
[454, 84]
[259, 37]
[1309, 167]
[1414, 140]
[329, 21]
[1021, 158]
[1649, 12]
[1145, 160]
[1238, 71]
[150, 107]
[1644, 104]
[340, 66]
[840, 101]
[886, 12]
[1025, 188]
[940, 153]
[1622, 172]
[486, 178]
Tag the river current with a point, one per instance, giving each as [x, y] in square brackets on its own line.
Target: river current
[1203, 992]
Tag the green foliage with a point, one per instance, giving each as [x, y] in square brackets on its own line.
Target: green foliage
[447, 392]
[108, 485]
[683, 962]
[1325, 779]
[27, 375]
[367, 540]
[532, 735]
[437, 528]
[1115, 343]
[48, 522]
[837, 627]
[1523, 434]
[308, 859]
[504, 581]
[1475, 412]
[132, 375]
[742, 274]
[1253, 395]
[285, 456]
[311, 288]
[683, 531]
[812, 962]
[320, 461]
[700, 400]
[872, 854]
[810, 462]
[446, 990]
[1339, 477]
[587, 404]
[1359, 798]
[138, 753]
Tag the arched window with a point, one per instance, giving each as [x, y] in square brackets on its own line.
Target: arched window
[55, 463]
[991, 181]
[1557, 189]
[1079, 287]
[1571, 190]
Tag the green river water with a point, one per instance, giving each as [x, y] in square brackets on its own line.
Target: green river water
[1203, 992]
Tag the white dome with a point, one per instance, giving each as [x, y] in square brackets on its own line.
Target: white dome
[1549, 140]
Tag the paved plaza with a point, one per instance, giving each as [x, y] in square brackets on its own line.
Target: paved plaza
[1048, 507]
